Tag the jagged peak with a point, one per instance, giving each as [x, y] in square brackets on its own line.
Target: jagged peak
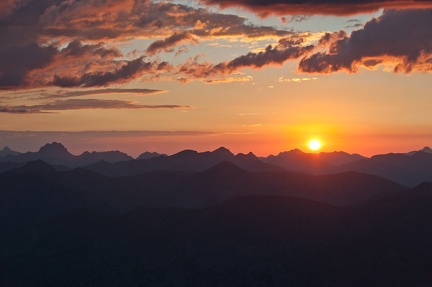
[223, 151]
[53, 147]
[248, 155]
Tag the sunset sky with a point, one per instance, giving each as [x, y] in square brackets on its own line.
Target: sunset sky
[250, 75]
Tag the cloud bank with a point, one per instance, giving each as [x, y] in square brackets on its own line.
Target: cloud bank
[77, 44]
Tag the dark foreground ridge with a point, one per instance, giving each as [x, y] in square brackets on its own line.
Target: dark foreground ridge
[224, 226]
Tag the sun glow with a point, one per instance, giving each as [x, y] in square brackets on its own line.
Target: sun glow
[314, 144]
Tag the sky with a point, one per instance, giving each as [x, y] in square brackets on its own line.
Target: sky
[250, 75]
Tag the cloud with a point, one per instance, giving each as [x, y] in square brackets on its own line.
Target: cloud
[295, 80]
[15, 62]
[399, 38]
[230, 80]
[128, 71]
[170, 42]
[73, 43]
[79, 93]
[286, 49]
[81, 104]
[265, 8]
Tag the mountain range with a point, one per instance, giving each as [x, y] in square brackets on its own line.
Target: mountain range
[224, 226]
[214, 219]
[408, 169]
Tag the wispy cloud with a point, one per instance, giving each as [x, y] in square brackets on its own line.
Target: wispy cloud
[82, 104]
[80, 93]
[295, 80]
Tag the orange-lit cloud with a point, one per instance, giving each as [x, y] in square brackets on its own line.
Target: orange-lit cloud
[264, 8]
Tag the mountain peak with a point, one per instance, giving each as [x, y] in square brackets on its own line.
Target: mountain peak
[38, 166]
[149, 155]
[427, 149]
[7, 151]
[54, 147]
[223, 151]
[185, 153]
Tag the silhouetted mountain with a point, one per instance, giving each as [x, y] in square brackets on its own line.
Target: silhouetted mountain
[7, 151]
[409, 170]
[186, 160]
[425, 149]
[148, 155]
[56, 154]
[87, 158]
[37, 166]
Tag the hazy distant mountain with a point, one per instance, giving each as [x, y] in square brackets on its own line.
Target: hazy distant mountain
[37, 181]
[296, 160]
[187, 160]
[56, 154]
[425, 149]
[87, 158]
[7, 151]
[148, 155]
[409, 170]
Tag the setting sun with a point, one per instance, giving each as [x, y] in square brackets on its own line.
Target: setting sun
[314, 144]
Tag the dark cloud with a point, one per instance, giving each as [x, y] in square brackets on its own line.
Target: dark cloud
[77, 49]
[170, 42]
[81, 104]
[323, 7]
[15, 62]
[401, 38]
[128, 71]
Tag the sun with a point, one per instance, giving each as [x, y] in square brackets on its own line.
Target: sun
[314, 144]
